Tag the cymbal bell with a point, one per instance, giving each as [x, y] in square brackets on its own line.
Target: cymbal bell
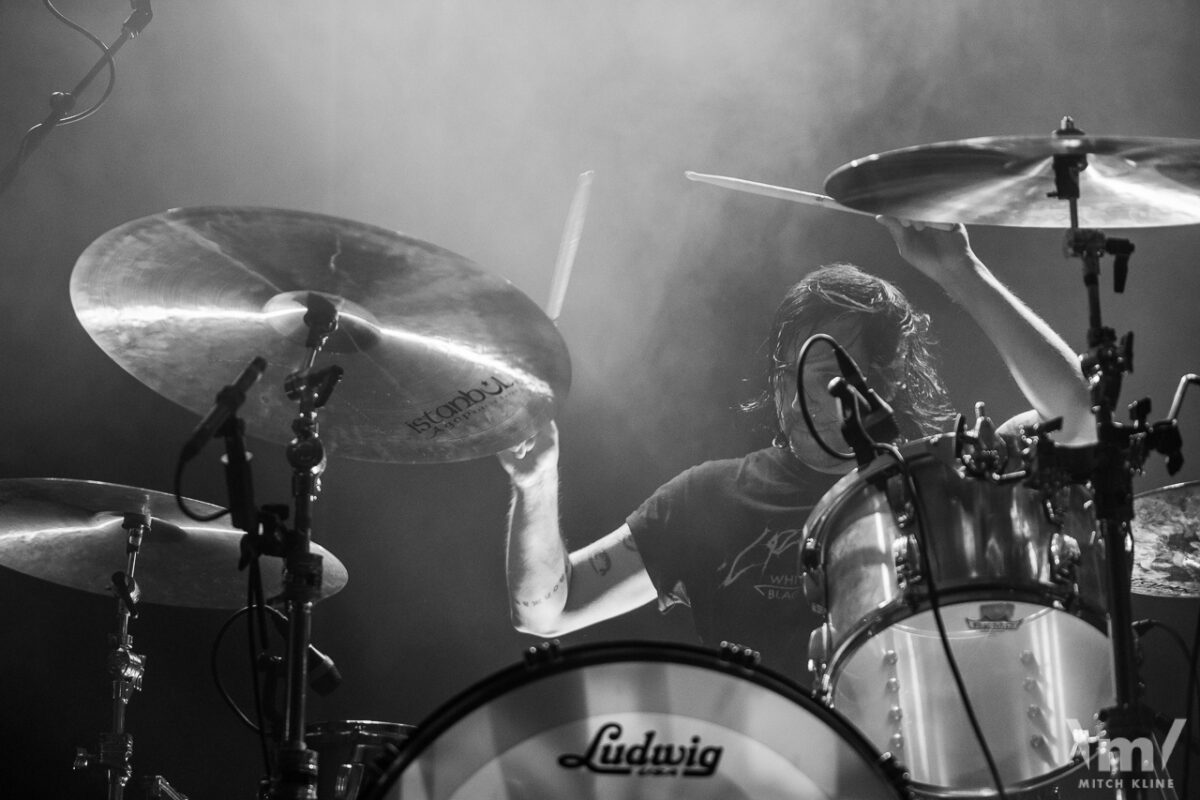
[1129, 182]
[1166, 541]
[70, 532]
[443, 361]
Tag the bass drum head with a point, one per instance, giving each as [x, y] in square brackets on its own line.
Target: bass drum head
[623, 721]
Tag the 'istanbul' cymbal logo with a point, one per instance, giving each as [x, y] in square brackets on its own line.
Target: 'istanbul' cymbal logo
[606, 754]
[458, 408]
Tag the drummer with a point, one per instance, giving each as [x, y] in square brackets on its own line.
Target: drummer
[724, 537]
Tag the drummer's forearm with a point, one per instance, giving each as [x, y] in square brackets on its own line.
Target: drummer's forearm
[1042, 363]
[538, 568]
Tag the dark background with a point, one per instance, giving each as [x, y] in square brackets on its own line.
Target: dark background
[465, 124]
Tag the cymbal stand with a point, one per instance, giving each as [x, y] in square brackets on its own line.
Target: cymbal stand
[1120, 451]
[297, 765]
[125, 666]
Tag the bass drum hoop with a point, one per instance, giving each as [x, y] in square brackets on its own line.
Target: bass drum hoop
[541, 663]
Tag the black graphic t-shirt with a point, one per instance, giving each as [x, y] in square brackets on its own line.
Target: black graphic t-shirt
[724, 538]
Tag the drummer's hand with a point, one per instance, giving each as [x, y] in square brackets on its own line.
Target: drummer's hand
[532, 458]
[936, 249]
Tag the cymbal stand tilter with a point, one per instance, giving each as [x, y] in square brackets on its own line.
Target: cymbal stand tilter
[126, 667]
[1120, 451]
[296, 764]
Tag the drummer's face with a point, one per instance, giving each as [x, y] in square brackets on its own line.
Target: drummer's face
[820, 368]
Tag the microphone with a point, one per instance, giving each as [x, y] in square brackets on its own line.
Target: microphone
[880, 420]
[323, 674]
[228, 401]
[849, 402]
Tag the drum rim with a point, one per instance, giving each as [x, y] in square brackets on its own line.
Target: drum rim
[567, 659]
[326, 727]
[927, 447]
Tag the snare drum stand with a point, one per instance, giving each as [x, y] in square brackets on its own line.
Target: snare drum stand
[1120, 451]
[296, 777]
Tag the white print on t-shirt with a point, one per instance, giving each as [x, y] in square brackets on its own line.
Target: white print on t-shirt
[763, 553]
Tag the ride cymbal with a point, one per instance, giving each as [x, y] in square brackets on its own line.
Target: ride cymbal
[70, 532]
[443, 362]
[1166, 541]
[1129, 182]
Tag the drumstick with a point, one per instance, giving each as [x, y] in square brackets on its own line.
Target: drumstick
[780, 192]
[569, 245]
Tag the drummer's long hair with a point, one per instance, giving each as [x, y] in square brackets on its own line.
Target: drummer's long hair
[896, 336]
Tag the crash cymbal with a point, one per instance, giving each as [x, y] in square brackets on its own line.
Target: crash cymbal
[443, 362]
[1004, 180]
[1166, 541]
[69, 532]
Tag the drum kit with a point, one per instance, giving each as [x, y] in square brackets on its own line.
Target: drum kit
[977, 615]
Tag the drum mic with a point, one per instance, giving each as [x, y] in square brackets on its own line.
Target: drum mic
[879, 421]
[850, 403]
[323, 674]
[229, 400]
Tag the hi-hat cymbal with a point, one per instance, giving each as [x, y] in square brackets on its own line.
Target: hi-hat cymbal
[70, 532]
[443, 362]
[1129, 182]
[1166, 541]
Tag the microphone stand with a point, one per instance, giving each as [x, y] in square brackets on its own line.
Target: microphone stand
[61, 103]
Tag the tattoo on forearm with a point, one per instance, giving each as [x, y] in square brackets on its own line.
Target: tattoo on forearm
[601, 562]
[628, 543]
[537, 601]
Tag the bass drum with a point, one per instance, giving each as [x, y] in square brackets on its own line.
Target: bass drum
[622, 721]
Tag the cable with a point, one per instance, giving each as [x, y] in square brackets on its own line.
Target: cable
[112, 71]
[935, 606]
[215, 669]
[253, 607]
[1143, 626]
[923, 545]
[254, 597]
[181, 501]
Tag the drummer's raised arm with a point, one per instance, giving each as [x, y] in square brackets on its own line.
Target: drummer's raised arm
[1043, 365]
[553, 592]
